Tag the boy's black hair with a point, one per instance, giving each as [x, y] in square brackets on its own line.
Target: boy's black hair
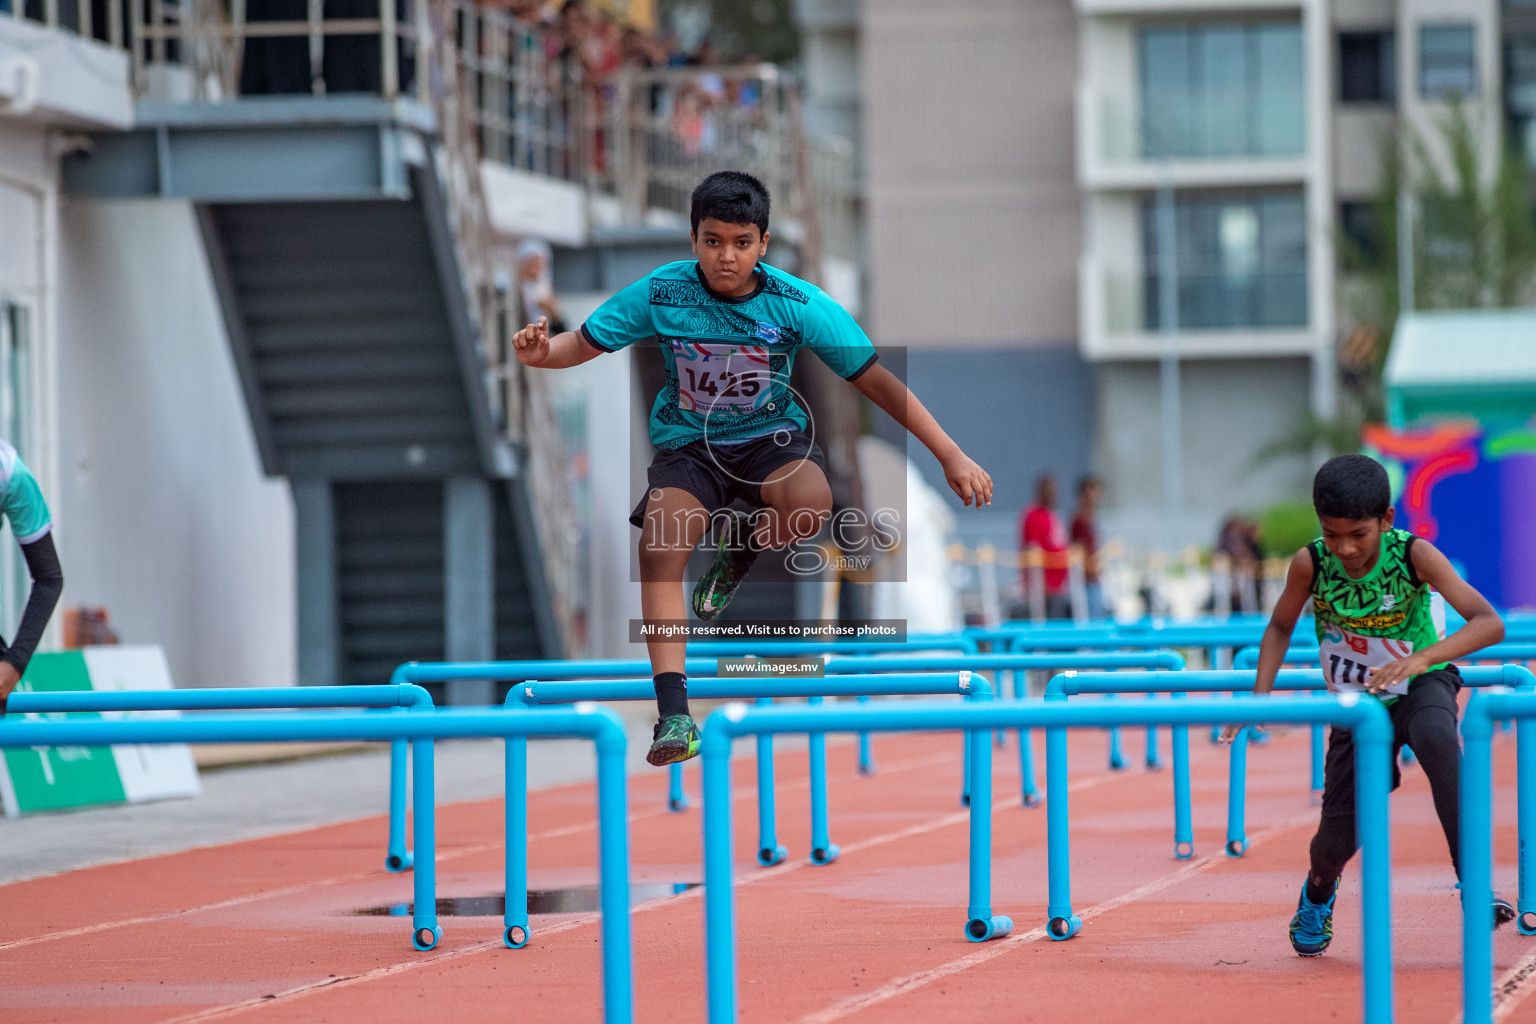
[1351, 487]
[732, 197]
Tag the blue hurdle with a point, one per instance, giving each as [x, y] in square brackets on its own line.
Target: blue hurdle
[401, 695]
[1477, 728]
[1248, 658]
[764, 690]
[1287, 680]
[1368, 719]
[1015, 665]
[421, 727]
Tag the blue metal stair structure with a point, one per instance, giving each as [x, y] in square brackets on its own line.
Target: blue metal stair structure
[364, 366]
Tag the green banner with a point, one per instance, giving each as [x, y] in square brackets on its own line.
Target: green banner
[49, 778]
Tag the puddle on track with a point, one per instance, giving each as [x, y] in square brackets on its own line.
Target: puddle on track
[578, 899]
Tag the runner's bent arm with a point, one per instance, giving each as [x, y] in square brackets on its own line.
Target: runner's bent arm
[1277, 635]
[1483, 626]
[47, 584]
[965, 477]
[534, 347]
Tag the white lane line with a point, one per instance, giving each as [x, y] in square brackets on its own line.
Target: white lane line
[216, 1012]
[992, 950]
[1511, 989]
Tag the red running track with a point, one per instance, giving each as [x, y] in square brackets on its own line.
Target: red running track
[266, 930]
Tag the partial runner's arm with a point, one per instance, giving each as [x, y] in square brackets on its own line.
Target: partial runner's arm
[1277, 635]
[535, 347]
[965, 477]
[1482, 629]
[47, 584]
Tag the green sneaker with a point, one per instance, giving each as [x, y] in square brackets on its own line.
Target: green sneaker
[733, 560]
[676, 738]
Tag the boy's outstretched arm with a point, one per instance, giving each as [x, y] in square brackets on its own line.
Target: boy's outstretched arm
[534, 347]
[1277, 635]
[965, 478]
[1483, 626]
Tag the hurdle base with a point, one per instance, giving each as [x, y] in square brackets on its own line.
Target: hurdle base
[827, 855]
[516, 936]
[426, 939]
[398, 862]
[980, 929]
[1525, 922]
[768, 856]
[1061, 929]
[1237, 847]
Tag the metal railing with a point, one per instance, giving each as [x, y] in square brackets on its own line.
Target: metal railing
[505, 91]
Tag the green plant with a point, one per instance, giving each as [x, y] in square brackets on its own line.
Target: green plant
[1473, 245]
[1286, 528]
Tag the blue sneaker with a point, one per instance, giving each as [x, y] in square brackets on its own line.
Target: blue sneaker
[1503, 910]
[1312, 927]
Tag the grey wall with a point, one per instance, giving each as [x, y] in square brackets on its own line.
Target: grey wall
[163, 513]
[1232, 408]
[1019, 412]
[971, 203]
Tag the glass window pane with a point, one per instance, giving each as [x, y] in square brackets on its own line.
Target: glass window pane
[1447, 61]
[1166, 91]
[1280, 88]
[1222, 91]
[1242, 261]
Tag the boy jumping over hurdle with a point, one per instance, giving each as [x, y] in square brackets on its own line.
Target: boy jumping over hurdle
[1379, 631]
[727, 424]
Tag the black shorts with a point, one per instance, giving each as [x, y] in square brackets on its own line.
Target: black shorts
[719, 474]
[1435, 689]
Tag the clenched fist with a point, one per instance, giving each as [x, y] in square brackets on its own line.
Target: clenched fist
[532, 343]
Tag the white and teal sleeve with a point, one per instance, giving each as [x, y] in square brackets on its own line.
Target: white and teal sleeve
[24, 506]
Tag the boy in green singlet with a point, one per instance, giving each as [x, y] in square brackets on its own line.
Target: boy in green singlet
[728, 425]
[1379, 631]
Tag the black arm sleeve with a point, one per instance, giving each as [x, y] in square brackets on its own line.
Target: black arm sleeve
[47, 584]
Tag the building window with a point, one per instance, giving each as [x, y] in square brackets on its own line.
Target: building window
[1241, 260]
[1222, 91]
[1447, 62]
[1357, 222]
[1368, 67]
[1520, 94]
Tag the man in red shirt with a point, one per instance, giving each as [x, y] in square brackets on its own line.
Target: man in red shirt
[1085, 534]
[1040, 528]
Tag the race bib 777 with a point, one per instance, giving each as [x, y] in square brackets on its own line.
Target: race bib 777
[1348, 658]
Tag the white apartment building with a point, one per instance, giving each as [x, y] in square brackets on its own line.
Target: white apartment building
[1262, 125]
[1013, 153]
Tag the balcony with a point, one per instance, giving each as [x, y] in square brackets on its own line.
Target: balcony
[1138, 7]
[1122, 147]
[1259, 314]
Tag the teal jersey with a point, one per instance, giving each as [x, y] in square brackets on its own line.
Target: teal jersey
[23, 502]
[728, 359]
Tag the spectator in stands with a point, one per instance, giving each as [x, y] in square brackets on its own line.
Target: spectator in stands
[535, 261]
[574, 28]
[1085, 534]
[1040, 530]
[1239, 541]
